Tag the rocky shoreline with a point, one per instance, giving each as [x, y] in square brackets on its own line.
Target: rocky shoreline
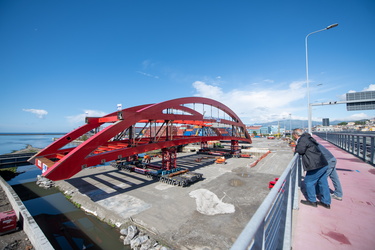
[28, 149]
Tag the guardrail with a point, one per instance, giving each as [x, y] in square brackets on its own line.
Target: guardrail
[361, 145]
[8, 160]
[271, 225]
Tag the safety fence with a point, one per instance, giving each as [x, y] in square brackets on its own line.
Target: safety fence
[361, 145]
[271, 225]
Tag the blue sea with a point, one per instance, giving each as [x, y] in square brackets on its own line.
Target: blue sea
[12, 142]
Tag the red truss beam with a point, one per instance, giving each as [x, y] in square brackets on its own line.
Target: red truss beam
[58, 163]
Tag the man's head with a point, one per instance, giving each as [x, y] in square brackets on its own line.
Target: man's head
[297, 133]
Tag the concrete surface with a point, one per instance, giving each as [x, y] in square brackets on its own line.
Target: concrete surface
[209, 214]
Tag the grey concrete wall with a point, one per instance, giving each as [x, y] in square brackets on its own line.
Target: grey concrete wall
[30, 227]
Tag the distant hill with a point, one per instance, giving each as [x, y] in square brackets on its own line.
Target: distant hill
[295, 123]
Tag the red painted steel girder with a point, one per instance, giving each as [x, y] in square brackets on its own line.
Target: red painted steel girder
[59, 163]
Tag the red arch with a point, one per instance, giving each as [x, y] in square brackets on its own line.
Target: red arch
[60, 163]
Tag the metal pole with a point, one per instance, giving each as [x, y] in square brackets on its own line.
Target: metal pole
[290, 125]
[309, 117]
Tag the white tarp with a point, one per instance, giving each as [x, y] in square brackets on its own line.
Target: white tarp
[208, 203]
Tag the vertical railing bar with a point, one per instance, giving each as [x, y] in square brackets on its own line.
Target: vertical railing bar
[352, 136]
[365, 149]
[288, 221]
[372, 160]
[358, 146]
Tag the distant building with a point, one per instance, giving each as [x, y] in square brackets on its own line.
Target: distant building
[254, 128]
[325, 129]
[326, 122]
[275, 129]
[265, 130]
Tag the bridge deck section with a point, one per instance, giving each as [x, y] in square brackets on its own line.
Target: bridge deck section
[350, 223]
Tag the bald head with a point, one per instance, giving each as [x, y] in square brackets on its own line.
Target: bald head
[297, 133]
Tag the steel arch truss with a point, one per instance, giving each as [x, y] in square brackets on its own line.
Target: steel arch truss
[137, 130]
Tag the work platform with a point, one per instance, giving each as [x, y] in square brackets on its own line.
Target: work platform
[350, 223]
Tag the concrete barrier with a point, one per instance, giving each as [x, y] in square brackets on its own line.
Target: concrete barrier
[29, 225]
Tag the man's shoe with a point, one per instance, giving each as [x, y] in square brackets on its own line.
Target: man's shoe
[309, 203]
[333, 196]
[324, 205]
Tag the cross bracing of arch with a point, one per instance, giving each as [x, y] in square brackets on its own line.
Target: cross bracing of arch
[137, 130]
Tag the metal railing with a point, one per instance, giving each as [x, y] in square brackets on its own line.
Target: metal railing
[361, 145]
[10, 160]
[271, 225]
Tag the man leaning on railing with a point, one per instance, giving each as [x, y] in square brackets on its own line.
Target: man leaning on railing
[315, 165]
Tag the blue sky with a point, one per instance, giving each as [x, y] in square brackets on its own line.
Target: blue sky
[61, 59]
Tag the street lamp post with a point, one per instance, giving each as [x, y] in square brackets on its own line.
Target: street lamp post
[307, 76]
[290, 125]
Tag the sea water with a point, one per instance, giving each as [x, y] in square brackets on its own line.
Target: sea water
[12, 142]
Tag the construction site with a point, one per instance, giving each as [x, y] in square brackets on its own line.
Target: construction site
[186, 171]
[207, 214]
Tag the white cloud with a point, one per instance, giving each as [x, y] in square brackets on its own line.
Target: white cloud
[342, 97]
[206, 90]
[40, 113]
[297, 85]
[262, 102]
[146, 64]
[371, 87]
[269, 81]
[80, 118]
[356, 117]
[258, 105]
[148, 75]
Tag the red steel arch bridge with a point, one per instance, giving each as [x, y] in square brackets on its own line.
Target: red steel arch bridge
[135, 130]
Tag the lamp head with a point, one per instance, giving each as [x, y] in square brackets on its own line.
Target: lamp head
[332, 26]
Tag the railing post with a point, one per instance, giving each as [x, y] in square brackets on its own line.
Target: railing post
[364, 148]
[288, 220]
[372, 159]
[347, 143]
[353, 144]
[297, 178]
[358, 145]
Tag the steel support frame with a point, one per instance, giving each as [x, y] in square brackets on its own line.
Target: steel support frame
[96, 150]
[169, 158]
[234, 147]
